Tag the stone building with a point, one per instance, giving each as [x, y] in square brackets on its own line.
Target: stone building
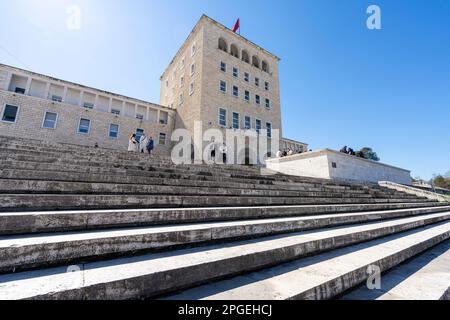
[217, 77]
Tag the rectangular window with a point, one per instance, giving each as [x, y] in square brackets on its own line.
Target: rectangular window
[248, 123]
[223, 86]
[183, 63]
[181, 99]
[258, 126]
[193, 49]
[162, 139]
[10, 113]
[20, 90]
[114, 131]
[192, 69]
[257, 99]
[247, 95]
[235, 72]
[182, 82]
[139, 133]
[223, 66]
[88, 105]
[267, 103]
[115, 111]
[246, 77]
[56, 99]
[50, 120]
[85, 126]
[191, 89]
[236, 124]
[236, 91]
[267, 86]
[257, 82]
[222, 117]
[269, 129]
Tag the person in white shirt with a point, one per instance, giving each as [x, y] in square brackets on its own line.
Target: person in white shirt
[279, 154]
[224, 150]
[143, 143]
[132, 144]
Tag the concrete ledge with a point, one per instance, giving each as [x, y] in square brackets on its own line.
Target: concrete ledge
[415, 191]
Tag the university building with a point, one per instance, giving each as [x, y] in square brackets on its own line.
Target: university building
[217, 77]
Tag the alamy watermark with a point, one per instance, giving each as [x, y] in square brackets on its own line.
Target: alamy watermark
[374, 20]
[374, 279]
[73, 21]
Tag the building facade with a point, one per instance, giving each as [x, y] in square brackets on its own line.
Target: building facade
[218, 78]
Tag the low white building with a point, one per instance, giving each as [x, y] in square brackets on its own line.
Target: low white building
[329, 164]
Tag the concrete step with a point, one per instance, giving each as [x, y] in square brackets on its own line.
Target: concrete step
[142, 180]
[25, 252]
[426, 277]
[161, 273]
[48, 202]
[57, 221]
[324, 276]
[8, 186]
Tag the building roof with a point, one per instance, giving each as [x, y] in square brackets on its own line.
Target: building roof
[83, 87]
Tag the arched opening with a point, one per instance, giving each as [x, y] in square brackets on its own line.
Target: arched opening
[223, 45]
[234, 51]
[245, 56]
[265, 66]
[255, 61]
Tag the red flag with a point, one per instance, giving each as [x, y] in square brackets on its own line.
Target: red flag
[237, 25]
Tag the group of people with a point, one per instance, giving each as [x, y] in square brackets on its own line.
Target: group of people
[348, 151]
[223, 150]
[145, 144]
[286, 153]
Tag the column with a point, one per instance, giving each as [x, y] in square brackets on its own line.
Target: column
[80, 103]
[110, 104]
[8, 80]
[27, 89]
[64, 97]
[47, 90]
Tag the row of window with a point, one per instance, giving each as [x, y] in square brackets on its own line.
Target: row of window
[243, 55]
[11, 113]
[248, 125]
[223, 87]
[88, 105]
[223, 68]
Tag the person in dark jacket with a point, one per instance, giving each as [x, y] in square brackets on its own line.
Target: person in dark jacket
[150, 145]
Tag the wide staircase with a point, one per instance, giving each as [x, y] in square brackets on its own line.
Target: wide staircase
[85, 223]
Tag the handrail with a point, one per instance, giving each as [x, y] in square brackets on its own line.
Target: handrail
[414, 191]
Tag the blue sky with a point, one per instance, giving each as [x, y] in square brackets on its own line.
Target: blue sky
[341, 84]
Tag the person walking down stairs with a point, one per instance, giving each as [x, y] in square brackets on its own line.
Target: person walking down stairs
[150, 145]
[143, 143]
[132, 144]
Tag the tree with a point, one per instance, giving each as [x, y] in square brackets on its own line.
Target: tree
[369, 154]
[447, 175]
[441, 182]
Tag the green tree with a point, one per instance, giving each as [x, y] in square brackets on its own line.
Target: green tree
[369, 154]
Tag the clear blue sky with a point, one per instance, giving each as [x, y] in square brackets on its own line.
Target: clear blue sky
[341, 84]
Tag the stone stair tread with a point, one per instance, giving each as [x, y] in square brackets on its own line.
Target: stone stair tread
[154, 274]
[426, 277]
[320, 277]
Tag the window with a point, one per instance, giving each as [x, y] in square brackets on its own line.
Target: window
[223, 66]
[334, 165]
[162, 139]
[181, 99]
[247, 123]
[247, 95]
[85, 126]
[183, 63]
[192, 69]
[115, 111]
[193, 49]
[269, 129]
[114, 131]
[235, 72]
[223, 45]
[246, 77]
[267, 103]
[191, 89]
[222, 117]
[258, 126]
[88, 105]
[50, 120]
[245, 56]
[255, 61]
[257, 99]
[257, 82]
[139, 133]
[10, 113]
[267, 86]
[56, 98]
[223, 86]
[167, 83]
[236, 121]
[236, 91]
[20, 90]
[234, 51]
[182, 82]
[265, 66]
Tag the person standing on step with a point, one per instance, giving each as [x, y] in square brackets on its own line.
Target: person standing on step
[132, 144]
[143, 143]
[150, 145]
[224, 150]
